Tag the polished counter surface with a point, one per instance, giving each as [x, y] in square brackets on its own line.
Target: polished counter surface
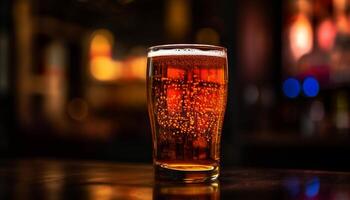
[51, 179]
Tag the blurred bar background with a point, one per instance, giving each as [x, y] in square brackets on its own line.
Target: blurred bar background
[72, 77]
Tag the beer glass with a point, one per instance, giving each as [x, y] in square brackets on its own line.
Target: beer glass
[186, 94]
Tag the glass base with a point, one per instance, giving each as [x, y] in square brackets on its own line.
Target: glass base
[186, 172]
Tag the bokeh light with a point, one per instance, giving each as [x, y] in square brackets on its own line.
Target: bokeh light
[101, 43]
[102, 66]
[326, 34]
[339, 5]
[312, 187]
[291, 88]
[311, 87]
[138, 67]
[304, 6]
[343, 25]
[178, 18]
[301, 36]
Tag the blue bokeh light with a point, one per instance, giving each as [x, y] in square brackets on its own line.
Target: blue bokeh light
[312, 187]
[291, 87]
[311, 87]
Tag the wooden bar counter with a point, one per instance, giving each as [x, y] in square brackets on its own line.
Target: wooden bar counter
[54, 180]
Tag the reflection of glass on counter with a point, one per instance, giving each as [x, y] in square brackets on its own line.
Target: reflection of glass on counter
[194, 191]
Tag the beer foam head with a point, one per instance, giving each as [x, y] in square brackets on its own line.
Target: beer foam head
[190, 51]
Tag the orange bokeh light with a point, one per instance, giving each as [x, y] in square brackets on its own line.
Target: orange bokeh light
[343, 24]
[300, 36]
[138, 67]
[105, 69]
[101, 43]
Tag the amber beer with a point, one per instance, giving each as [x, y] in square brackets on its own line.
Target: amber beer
[187, 89]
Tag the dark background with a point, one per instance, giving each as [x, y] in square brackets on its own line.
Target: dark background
[72, 77]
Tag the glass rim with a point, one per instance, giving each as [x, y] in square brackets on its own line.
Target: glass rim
[187, 49]
[190, 46]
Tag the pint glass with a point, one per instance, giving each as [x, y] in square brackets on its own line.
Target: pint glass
[186, 94]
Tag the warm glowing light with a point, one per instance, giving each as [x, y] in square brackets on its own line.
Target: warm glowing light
[55, 64]
[100, 192]
[138, 67]
[304, 6]
[326, 34]
[177, 21]
[343, 25]
[339, 5]
[77, 109]
[102, 66]
[101, 43]
[300, 36]
[105, 69]
[207, 36]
